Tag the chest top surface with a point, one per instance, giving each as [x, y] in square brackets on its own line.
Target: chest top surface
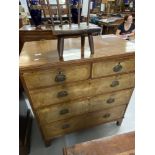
[32, 28]
[44, 53]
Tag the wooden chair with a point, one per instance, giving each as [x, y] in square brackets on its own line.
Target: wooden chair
[70, 30]
[46, 9]
[80, 29]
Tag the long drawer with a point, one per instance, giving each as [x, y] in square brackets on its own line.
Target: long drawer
[60, 75]
[69, 109]
[62, 111]
[68, 92]
[109, 100]
[60, 93]
[83, 121]
[112, 83]
[109, 67]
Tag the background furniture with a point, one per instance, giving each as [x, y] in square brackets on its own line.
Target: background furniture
[25, 124]
[42, 5]
[29, 33]
[22, 20]
[123, 144]
[77, 93]
[80, 29]
[109, 24]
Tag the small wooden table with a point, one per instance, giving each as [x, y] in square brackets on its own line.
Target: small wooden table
[83, 29]
[110, 24]
[30, 33]
[123, 144]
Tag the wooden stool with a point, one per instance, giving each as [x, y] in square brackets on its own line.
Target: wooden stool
[80, 29]
[75, 30]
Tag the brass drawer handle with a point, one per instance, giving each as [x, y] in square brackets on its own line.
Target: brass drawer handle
[106, 115]
[62, 94]
[110, 100]
[65, 126]
[117, 68]
[60, 77]
[114, 83]
[63, 111]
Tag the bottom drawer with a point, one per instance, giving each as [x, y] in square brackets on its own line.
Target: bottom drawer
[83, 121]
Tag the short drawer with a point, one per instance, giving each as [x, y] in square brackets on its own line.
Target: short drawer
[59, 94]
[110, 100]
[62, 127]
[83, 121]
[62, 111]
[110, 67]
[112, 83]
[55, 76]
[105, 115]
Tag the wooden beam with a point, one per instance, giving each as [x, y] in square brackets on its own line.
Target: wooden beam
[50, 12]
[69, 13]
[79, 6]
[59, 12]
[88, 15]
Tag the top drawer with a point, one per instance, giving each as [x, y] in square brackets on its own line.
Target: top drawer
[109, 67]
[55, 76]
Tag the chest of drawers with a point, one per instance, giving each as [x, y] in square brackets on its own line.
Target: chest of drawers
[77, 93]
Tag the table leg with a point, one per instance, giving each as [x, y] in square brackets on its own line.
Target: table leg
[60, 47]
[119, 122]
[82, 45]
[48, 143]
[91, 43]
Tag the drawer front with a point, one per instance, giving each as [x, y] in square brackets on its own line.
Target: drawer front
[72, 108]
[84, 121]
[113, 83]
[36, 37]
[110, 100]
[61, 93]
[56, 76]
[62, 127]
[112, 67]
[62, 111]
[105, 115]
[68, 92]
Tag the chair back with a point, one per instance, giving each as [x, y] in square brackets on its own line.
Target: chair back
[59, 10]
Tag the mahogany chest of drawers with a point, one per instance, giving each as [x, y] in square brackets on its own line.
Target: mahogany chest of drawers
[77, 93]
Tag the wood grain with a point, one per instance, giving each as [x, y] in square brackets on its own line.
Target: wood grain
[62, 111]
[41, 54]
[83, 121]
[74, 108]
[103, 85]
[48, 96]
[36, 79]
[123, 144]
[77, 92]
[109, 100]
[107, 67]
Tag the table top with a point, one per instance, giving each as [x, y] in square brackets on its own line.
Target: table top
[48, 16]
[123, 144]
[66, 28]
[44, 52]
[110, 19]
[75, 29]
[33, 28]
